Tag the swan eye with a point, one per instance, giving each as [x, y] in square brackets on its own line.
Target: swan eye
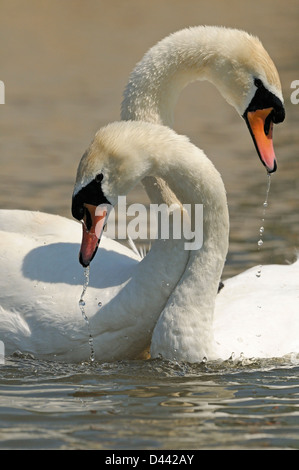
[258, 83]
[99, 178]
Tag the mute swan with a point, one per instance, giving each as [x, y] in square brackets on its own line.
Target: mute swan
[119, 157]
[185, 329]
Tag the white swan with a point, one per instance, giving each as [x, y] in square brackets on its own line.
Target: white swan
[120, 156]
[38, 251]
[254, 322]
[245, 75]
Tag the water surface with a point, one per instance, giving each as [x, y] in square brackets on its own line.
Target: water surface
[65, 65]
[149, 405]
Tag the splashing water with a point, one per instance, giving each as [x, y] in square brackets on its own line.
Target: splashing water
[82, 308]
[262, 229]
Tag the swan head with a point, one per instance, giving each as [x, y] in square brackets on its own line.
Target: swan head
[247, 78]
[233, 60]
[111, 166]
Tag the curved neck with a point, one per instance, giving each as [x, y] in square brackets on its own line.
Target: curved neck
[185, 328]
[156, 82]
[185, 56]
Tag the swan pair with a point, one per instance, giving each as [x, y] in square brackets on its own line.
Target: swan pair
[168, 300]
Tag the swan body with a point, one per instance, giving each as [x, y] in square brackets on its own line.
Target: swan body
[257, 314]
[41, 283]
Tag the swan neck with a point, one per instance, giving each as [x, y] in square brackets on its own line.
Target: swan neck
[185, 328]
[181, 58]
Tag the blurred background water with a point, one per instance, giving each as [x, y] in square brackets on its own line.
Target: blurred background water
[65, 65]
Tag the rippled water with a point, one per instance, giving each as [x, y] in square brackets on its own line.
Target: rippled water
[64, 66]
[149, 405]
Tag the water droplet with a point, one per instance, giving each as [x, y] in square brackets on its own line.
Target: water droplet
[259, 272]
[165, 284]
[82, 308]
[100, 304]
[262, 229]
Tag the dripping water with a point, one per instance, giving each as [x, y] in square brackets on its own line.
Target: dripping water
[262, 228]
[85, 317]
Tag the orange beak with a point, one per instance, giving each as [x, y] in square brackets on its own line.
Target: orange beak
[93, 224]
[261, 128]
